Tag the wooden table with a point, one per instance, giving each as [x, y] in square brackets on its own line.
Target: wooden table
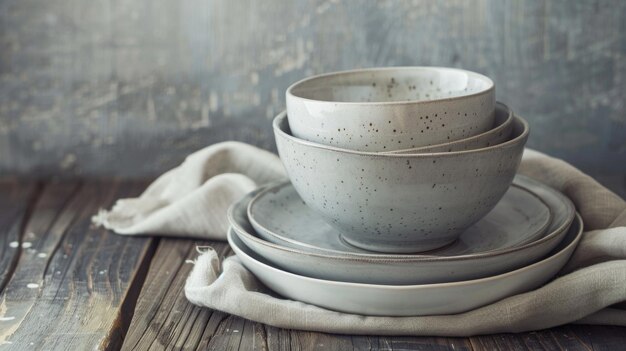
[69, 286]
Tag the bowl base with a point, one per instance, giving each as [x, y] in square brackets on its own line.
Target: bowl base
[398, 248]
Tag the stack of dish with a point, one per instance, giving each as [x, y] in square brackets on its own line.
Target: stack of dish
[402, 198]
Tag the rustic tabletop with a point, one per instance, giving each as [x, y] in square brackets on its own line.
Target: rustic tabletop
[69, 286]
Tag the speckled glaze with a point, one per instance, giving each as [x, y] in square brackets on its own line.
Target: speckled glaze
[340, 264]
[395, 108]
[399, 203]
[503, 124]
[279, 215]
[407, 300]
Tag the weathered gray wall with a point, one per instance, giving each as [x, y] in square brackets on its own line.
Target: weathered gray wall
[128, 87]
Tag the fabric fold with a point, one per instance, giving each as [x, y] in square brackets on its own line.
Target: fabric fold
[566, 299]
[191, 200]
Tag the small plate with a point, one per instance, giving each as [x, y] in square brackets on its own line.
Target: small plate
[279, 215]
[395, 269]
[407, 300]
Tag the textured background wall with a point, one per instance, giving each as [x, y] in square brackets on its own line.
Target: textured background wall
[128, 87]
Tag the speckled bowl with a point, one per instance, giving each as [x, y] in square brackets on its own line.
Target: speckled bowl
[503, 125]
[385, 109]
[399, 203]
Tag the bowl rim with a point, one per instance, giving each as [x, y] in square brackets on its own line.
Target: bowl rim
[509, 143]
[554, 255]
[488, 90]
[397, 258]
[508, 121]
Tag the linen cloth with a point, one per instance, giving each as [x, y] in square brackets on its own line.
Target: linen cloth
[192, 199]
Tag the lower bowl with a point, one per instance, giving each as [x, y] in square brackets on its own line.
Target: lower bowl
[399, 203]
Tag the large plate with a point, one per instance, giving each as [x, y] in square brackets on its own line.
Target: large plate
[407, 300]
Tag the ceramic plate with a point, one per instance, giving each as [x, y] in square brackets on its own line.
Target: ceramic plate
[407, 300]
[279, 215]
[407, 269]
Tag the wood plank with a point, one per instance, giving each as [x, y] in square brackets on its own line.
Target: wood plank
[78, 279]
[423, 343]
[599, 337]
[42, 233]
[281, 339]
[304, 340]
[163, 318]
[568, 337]
[15, 198]
[235, 333]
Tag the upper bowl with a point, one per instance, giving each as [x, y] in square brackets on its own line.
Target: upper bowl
[503, 125]
[386, 109]
[399, 202]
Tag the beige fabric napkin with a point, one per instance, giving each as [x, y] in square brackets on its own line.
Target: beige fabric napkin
[191, 201]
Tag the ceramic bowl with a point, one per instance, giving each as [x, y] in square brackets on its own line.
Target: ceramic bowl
[503, 124]
[384, 109]
[399, 203]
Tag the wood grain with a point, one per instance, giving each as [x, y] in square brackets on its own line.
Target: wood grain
[568, 337]
[70, 288]
[598, 337]
[15, 208]
[38, 242]
[163, 318]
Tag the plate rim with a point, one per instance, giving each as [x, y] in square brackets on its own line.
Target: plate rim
[277, 186]
[392, 258]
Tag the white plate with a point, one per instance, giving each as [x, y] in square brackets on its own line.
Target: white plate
[407, 300]
[408, 269]
[279, 215]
